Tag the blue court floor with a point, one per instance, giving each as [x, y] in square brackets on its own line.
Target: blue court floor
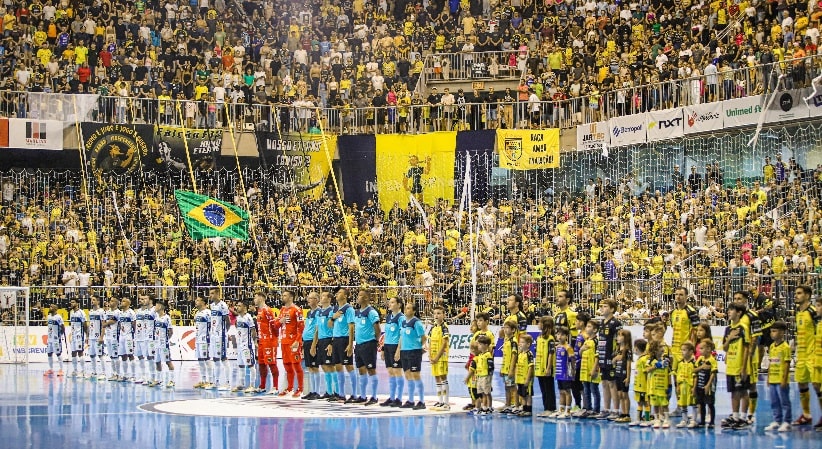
[54, 413]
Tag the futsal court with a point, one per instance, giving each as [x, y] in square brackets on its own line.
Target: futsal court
[56, 412]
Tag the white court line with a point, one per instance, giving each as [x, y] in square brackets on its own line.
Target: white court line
[81, 414]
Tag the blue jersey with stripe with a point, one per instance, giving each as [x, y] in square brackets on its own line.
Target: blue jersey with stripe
[393, 322]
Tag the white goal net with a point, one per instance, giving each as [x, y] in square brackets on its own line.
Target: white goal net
[15, 314]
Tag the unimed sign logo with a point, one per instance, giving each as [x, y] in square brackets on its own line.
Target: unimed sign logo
[36, 133]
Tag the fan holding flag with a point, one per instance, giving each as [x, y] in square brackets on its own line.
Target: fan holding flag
[207, 217]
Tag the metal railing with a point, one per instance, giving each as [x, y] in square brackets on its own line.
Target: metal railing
[561, 112]
[471, 66]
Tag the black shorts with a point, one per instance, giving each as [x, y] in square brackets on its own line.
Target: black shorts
[620, 384]
[565, 384]
[338, 354]
[311, 361]
[388, 351]
[322, 355]
[474, 393]
[524, 391]
[411, 360]
[608, 372]
[365, 354]
[704, 398]
[736, 384]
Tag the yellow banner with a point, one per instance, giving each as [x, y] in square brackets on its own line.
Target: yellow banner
[528, 149]
[422, 165]
[300, 159]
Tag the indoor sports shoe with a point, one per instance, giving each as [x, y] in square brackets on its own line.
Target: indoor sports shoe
[786, 427]
[237, 389]
[818, 426]
[419, 406]
[210, 386]
[634, 424]
[666, 423]
[308, 397]
[623, 420]
[274, 392]
[802, 421]
[408, 404]
[224, 387]
[524, 414]
[445, 407]
[772, 427]
[170, 384]
[657, 423]
[371, 401]
[285, 393]
[297, 394]
[397, 403]
[48, 373]
[692, 424]
[468, 407]
[436, 406]
[387, 402]
[682, 424]
[646, 424]
[250, 390]
[60, 373]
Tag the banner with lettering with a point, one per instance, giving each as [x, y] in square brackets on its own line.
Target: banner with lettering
[31, 134]
[421, 165]
[700, 118]
[528, 149]
[358, 166]
[664, 124]
[302, 161]
[788, 105]
[593, 136]
[116, 148]
[627, 130]
[741, 111]
[169, 149]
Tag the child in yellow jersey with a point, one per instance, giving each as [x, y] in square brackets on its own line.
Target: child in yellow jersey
[479, 329]
[641, 384]
[439, 342]
[482, 371]
[589, 370]
[779, 369]
[736, 344]
[524, 374]
[684, 381]
[705, 381]
[544, 365]
[509, 357]
[659, 377]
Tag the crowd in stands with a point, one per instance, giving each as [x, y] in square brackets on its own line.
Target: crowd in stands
[704, 232]
[348, 54]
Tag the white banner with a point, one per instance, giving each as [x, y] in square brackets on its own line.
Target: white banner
[182, 343]
[593, 136]
[35, 134]
[742, 111]
[66, 108]
[814, 101]
[702, 118]
[664, 124]
[627, 130]
[788, 105]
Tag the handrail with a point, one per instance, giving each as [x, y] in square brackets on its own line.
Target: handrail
[563, 111]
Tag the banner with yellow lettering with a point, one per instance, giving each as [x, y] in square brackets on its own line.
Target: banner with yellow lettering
[421, 165]
[528, 149]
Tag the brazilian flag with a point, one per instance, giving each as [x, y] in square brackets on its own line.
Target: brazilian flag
[206, 217]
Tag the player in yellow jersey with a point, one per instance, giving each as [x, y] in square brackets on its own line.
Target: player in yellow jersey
[807, 319]
[751, 321]
[482, 370]
[544, 365]
[516, 314]
[509, 357]
[589, 370]
[524, 374]
[659, 381]
[565, 316]
[641, 383]
[481, 322]
[684, 381]
[779, 356]
[736, 343]
[438, 344]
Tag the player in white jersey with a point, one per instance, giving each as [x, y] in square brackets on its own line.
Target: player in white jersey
[111, 337]
[96, 317]
[144, 337]
[162, 350]
[202, 319]
[79, 330]
[246, 354]
[218, 339]
[125, 346]
[56, 335]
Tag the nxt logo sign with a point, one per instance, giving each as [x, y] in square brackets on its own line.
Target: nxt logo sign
[664, 124]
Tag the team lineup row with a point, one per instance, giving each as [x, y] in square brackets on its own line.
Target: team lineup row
[575, 353]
